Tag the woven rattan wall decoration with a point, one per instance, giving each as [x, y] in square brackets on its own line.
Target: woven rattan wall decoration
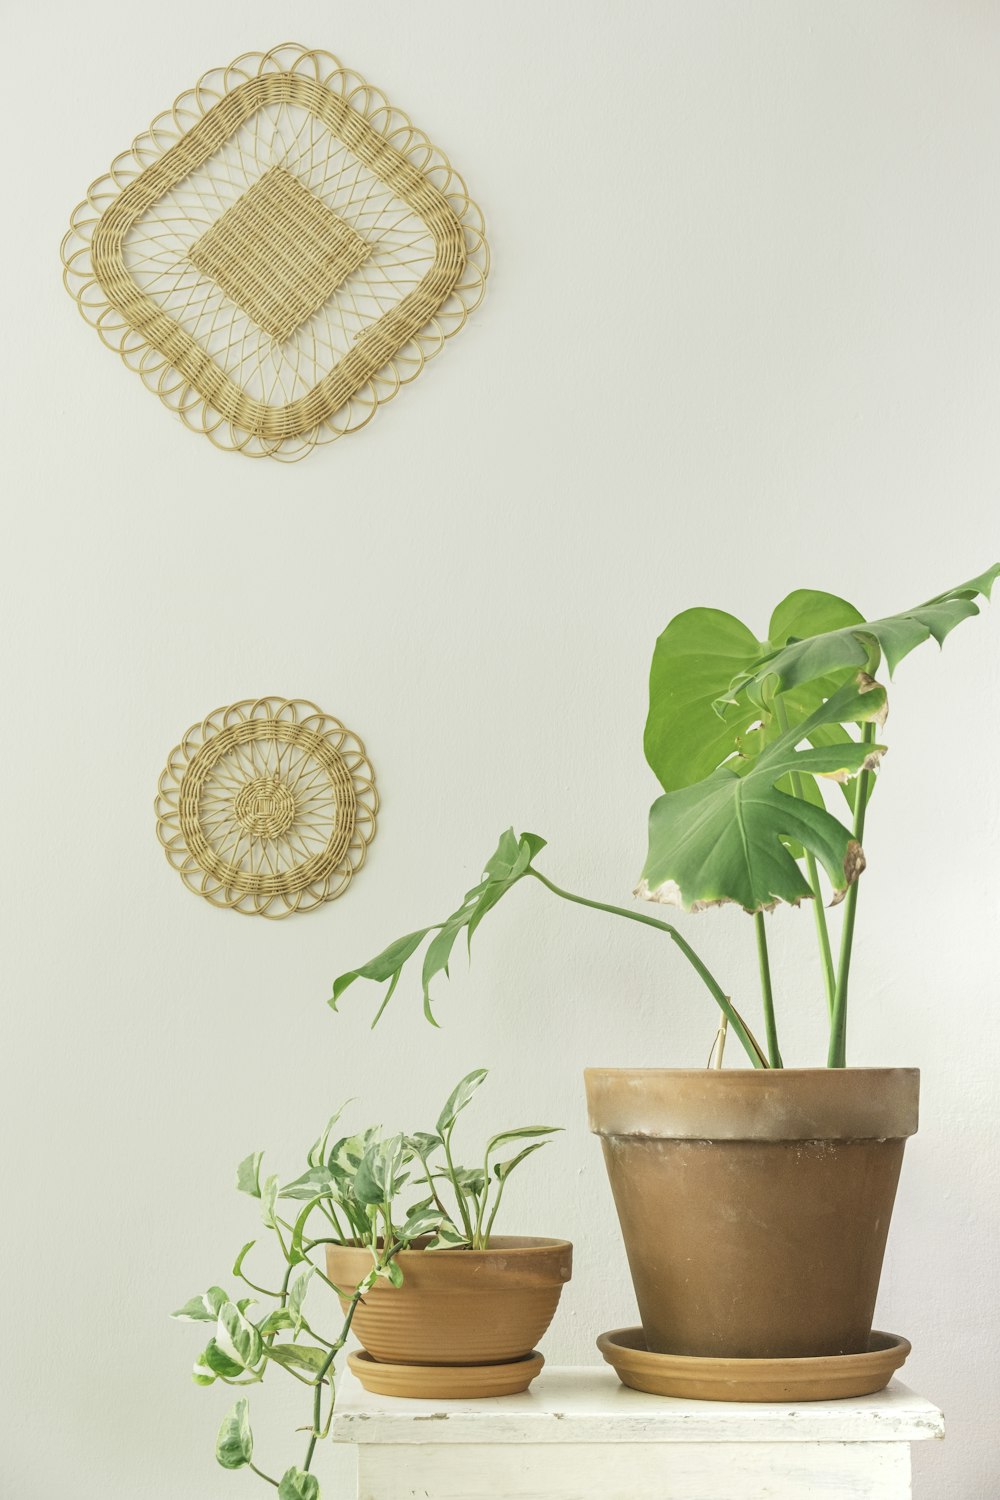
[278, 254]
[267, 807]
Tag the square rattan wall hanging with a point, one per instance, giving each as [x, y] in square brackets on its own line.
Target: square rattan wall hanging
[278, 254]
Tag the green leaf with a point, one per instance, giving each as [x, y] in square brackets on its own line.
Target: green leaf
[856, 646]
[296, 1484]
[448, 1238]
[219, 1363]
[696, 658]
[297, 1296]
[519, 1135]
[234, 1445]
[316, 1183]
[248, 1174]
[268, 1200]
[317, 1152]
[459, 1098]
[388, 964]
[377, 1179]
[202, 1373]
[394, 1273]
[421, 1221]
[694, 661]
[347, 1155]
[203, 1309]
[508, 864]
[302, 1358]
[503, 1169]
[277, 1321]
[471, 1180]
[424, 1144]
[237, 1337]
[238, 1262]
[722, 839]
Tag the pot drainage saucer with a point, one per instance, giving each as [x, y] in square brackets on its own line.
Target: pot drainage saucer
[445, 1382]
[701, 1378]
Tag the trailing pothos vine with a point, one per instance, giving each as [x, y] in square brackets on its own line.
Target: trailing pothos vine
[387, 1193]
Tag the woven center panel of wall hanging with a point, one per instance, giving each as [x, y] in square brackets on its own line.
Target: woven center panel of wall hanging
[279, 254]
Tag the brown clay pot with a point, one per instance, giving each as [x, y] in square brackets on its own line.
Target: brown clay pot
[754, 1204]
[457, 1307]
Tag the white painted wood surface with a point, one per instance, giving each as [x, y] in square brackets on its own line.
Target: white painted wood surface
[579, 1434]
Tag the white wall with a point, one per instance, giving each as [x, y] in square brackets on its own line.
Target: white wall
[741, 337]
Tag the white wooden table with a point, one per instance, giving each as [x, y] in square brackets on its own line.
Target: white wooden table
[578, 1434]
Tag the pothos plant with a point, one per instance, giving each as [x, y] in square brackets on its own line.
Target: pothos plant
[745, 735]
[388, 1193]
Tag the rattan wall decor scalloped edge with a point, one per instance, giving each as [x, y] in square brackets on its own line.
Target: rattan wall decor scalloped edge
[267, 807]
[278, 254]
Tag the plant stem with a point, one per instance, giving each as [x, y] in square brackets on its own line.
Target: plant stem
[324, 1371]
[767, 994]
[261, 1475]
[459, 1195]
[837, 1057]
[750, 1044]
[812, 873]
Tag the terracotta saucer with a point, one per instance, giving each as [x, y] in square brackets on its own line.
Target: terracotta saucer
[705, 1379]
[445, 1382]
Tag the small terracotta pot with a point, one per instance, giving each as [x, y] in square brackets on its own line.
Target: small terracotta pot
[754, 1204]
[457, 1307]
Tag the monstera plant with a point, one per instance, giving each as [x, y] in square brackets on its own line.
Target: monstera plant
[754, 1203]
[743, 734]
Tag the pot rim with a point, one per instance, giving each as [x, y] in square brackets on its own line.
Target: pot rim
[753, 1104]
[508, 1244]
[747, 1072]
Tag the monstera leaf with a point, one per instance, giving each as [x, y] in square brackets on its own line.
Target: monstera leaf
[699, 655]
[816, 642]
[800, 663]
[724, 839]
[508, 864]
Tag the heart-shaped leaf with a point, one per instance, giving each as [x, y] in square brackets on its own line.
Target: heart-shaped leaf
[234, 1444]
[296, 1484]
[203, 1309]
[696, 658]
[378, 1178]
[237, 1337]
[220, 1364]
[248, 1174]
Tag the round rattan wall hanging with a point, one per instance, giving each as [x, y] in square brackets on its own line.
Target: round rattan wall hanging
[278, 254]
[267, 807]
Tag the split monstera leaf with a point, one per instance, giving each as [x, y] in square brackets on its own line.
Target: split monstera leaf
[727, 714]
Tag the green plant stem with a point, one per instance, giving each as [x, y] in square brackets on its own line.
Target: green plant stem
[324, 1372]
[812, 874]
[767, 994]
[459, 1195]
[429, 1179]
[261, 1475]
[750, 1044]
[837, 1056]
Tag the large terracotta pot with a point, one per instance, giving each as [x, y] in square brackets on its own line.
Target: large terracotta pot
[754, 1204]
[457, 1307]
